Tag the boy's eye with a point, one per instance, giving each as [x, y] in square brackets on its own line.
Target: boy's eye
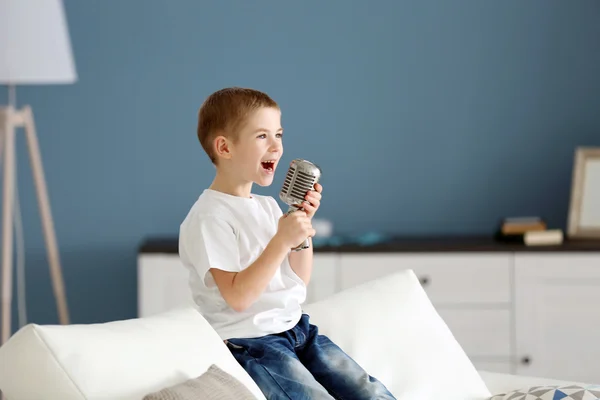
[264, 136]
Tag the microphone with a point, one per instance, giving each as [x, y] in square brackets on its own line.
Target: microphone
[301, 177]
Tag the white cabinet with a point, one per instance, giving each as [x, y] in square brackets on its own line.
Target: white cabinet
[525, 312]
[557, 300]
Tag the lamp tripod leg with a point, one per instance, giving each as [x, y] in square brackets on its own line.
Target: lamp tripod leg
[8, 133]
[46, 217]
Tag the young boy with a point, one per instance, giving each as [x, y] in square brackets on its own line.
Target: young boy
[243, 276]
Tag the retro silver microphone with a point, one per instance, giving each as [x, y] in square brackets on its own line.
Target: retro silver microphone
[301, 177]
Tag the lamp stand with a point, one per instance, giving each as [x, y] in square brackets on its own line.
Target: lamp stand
[10, 120]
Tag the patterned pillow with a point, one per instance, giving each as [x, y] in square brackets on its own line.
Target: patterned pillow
[571, 392]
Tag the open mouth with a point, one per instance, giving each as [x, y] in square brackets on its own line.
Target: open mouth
[268, 165]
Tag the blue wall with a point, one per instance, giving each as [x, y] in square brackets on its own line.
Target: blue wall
[427, 117]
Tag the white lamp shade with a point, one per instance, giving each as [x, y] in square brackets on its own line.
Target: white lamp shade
[35, 47]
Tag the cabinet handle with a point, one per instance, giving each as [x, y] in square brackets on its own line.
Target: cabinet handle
[424, 280]
[526, 360]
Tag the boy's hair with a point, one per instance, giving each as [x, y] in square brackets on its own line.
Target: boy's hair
[223, 112]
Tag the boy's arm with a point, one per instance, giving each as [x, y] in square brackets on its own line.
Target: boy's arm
[302, 262]
[241, 289]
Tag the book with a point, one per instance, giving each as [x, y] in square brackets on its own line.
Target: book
[520, 225]
[549, 237]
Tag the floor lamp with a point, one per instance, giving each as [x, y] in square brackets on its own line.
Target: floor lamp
[34, 49]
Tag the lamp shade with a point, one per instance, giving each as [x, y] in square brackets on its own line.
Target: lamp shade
[35, 47]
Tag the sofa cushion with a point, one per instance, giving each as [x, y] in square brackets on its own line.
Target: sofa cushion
[214, 384]
[114, 360]
[392, 330]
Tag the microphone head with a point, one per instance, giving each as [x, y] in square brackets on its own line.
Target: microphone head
[300, 178]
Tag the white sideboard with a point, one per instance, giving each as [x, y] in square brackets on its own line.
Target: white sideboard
[526, 311]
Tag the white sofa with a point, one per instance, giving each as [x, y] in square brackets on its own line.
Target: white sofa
[388, 325]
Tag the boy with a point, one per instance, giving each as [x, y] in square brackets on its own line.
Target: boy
[245, 280]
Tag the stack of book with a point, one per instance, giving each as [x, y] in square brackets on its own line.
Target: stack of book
[531, 231]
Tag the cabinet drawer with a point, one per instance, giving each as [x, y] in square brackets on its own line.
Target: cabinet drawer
[557, 315]
[481, 333]
[447, 277]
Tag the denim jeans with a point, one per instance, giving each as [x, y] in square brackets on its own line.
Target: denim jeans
[300, 364]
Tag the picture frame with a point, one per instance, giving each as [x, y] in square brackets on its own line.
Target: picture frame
[584, 208]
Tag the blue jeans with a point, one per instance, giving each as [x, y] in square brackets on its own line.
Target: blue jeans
[300, 364]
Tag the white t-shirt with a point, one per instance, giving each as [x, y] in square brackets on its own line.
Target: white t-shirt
[229, 233]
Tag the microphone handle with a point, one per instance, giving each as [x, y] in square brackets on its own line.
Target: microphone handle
[304, 245]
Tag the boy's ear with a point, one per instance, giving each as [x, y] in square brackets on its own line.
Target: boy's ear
[222, 147]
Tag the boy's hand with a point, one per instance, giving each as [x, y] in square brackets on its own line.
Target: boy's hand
[313, 200]
[294, 228]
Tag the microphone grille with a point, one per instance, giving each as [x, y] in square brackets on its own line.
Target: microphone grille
[300, 178]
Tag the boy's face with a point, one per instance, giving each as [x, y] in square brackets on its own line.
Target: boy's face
[259, 147]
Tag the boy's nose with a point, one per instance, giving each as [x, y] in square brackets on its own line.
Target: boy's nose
[275, 147]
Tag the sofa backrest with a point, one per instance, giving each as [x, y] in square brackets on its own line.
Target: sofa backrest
[114, 360]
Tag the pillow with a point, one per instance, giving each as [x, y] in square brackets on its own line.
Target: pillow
[214, 384]
[392, 330]
[553, 392]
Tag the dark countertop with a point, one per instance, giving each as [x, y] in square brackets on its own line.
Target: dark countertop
[413, 245]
